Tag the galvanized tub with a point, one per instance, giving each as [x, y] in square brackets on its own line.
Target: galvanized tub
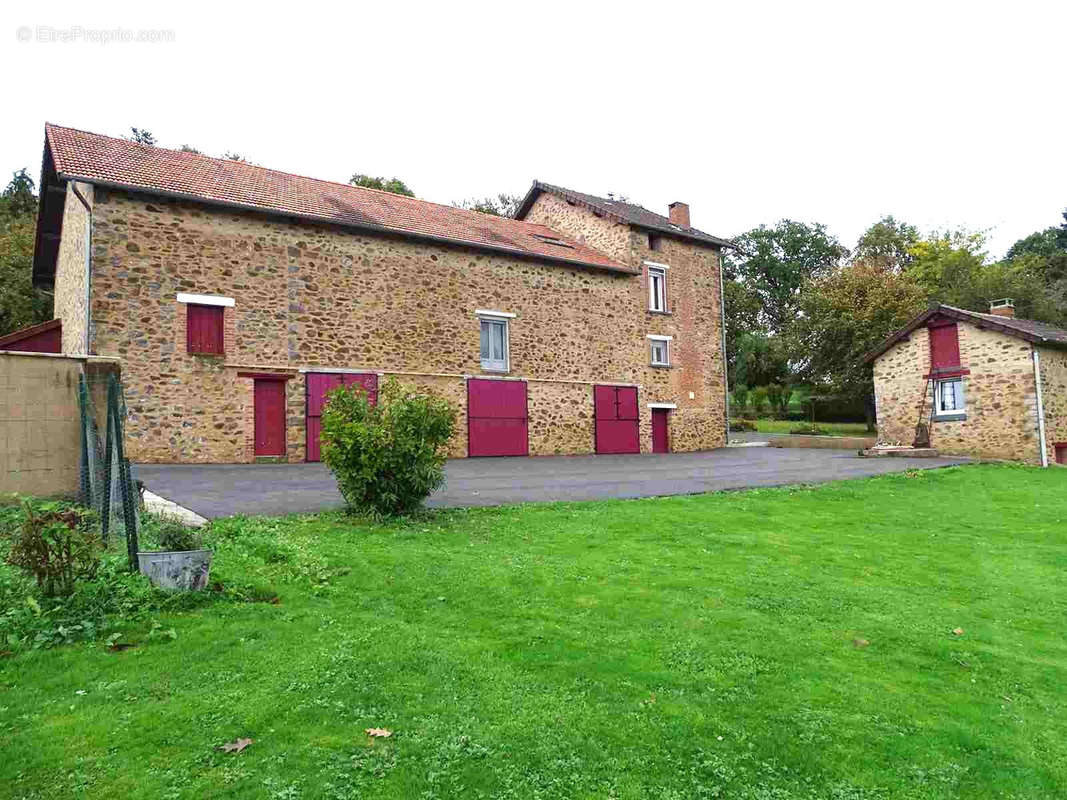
[186, 570]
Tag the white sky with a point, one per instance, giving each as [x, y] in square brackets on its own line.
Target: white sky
[941, 113]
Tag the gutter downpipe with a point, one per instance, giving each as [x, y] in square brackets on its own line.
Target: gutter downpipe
[88, 263]
[1040, 408]
[725, 371]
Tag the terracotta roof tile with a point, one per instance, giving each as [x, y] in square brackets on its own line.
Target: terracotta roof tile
[103, 159]
[622, 211]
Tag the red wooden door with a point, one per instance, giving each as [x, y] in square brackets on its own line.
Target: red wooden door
[319, 385]
[269, 410]
[497, 423]
[661, 442]
[617, 426]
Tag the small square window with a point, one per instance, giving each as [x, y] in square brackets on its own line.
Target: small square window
[948, 400]
[494, 345]
[657, 289]
[661, 352]
[204, 329]
[654, 242]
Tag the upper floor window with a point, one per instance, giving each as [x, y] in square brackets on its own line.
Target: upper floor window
[657, 288]
[654, 242]
[660, 347]
[205, 323]
[948, 399]
[495, 340]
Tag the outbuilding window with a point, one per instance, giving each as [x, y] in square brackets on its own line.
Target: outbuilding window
[948, 400]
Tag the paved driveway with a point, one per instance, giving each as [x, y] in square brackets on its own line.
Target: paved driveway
[220, 490]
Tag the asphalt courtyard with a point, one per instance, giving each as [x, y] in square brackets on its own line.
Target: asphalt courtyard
[219, 490]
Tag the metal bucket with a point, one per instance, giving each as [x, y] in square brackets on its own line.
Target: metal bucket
[186, 570]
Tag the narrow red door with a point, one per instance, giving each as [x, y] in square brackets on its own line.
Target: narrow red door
[269, 410]
[617, 425]
[497, 418]
[661, 442]
[319, 385]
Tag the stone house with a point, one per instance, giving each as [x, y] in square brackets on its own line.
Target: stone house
[236, 297]
[988, 385]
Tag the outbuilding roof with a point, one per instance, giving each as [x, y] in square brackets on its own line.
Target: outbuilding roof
[1040, 333]
[107, 161]
[620, 211]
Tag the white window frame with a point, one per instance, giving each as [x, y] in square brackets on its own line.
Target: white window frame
[654, 339]
[493, 318]
[206, 300]
[657, 298]
[959, 408]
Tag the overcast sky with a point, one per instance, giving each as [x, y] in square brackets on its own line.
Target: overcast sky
[940, 113]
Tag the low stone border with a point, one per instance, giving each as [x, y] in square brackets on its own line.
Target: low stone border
[166, 508]
[823, 442]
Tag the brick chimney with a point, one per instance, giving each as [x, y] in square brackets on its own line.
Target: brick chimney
[1003, 308]
[679, 214]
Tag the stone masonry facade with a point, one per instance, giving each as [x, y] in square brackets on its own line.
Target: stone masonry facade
[1054, 398]
[1000, 395]
[318, 297]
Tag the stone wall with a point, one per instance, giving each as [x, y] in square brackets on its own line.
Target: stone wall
[1054, 397]
[316, 296]
[696, 379]
[70, 290]
[999, 394]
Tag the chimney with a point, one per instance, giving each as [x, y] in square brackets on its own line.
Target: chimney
[679, 214]
[1003, 308]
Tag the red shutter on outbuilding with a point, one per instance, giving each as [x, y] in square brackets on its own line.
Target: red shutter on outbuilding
[944, 347]
[204, 331]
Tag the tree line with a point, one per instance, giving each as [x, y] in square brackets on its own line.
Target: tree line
[801, 308]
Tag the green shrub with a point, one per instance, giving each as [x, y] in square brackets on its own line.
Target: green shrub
[388, 457]
[740, 396]
[774, 397]
[57, 544]
[759, 400]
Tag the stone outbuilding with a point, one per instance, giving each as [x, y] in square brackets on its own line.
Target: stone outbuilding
[987, 385]
[238, 297]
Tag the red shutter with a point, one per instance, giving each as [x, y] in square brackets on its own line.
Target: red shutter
[204, 331]
[944, 347]
[496, 418]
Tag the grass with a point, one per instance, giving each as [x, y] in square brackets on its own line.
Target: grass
[832, 428]
[687, 647]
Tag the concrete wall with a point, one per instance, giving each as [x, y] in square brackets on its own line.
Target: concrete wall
[1000, 395]
[310, 296]
[40, 422]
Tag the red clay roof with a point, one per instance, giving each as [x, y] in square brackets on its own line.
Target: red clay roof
[117, 162]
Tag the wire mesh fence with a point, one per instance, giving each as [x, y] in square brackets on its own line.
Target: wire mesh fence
[107, 483]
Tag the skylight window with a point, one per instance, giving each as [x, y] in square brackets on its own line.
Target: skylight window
[552, 240]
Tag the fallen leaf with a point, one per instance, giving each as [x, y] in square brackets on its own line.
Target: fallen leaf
[236, 746]
[379, 733]
[958, 631]
[860, 642]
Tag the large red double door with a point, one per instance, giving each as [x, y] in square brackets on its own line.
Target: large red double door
[319, 385]
[497, 418]
[617, 425]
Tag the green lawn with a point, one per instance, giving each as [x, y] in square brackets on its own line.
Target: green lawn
[689, 647]
[832, 428]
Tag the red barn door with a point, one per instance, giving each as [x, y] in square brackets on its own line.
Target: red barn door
[617, 426]
[319, 385]
[269, 411]
[497, 418]
[661, 441]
